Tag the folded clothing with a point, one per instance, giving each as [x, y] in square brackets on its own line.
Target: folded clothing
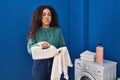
[88, 55]
[39, 53]
[88, 59]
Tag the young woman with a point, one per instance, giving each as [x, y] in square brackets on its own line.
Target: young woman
[44, 32]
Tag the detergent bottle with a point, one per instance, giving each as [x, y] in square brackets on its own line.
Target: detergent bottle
[99, 54]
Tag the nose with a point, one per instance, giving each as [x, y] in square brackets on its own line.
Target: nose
[46, 16]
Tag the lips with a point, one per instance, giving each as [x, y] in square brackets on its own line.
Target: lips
[46, 20]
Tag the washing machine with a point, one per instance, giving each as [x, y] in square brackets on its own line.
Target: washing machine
[88, 70]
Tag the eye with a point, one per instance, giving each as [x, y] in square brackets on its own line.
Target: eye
[49, 14]
[43, 14]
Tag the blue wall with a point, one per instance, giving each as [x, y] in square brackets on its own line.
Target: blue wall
[94, 22]
[104, 26]
[84, 23]
[76, 31]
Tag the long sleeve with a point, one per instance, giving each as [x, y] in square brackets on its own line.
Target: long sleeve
[30, 44]
[61, 39]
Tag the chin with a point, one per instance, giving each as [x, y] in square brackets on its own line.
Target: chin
[47, 24]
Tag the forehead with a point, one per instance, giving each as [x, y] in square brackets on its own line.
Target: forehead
[46, 10]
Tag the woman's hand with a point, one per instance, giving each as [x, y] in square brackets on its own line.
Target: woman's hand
[44, 44]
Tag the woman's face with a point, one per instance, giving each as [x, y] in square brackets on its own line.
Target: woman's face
[46, 17]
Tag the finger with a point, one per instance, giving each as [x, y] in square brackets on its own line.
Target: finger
[46, 44]
[43, 45]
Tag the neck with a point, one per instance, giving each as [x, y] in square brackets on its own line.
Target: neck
[45, 26]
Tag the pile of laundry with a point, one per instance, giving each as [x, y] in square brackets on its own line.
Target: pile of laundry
[88, 55]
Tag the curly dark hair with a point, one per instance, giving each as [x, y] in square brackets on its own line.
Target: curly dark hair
[36, 20]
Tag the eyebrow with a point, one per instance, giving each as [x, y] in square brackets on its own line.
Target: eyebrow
[48, 12]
